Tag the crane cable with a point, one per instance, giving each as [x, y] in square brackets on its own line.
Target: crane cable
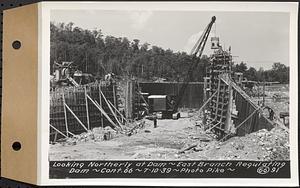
[199, 50]
[198, 42]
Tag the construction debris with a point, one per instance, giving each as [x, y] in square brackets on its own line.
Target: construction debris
[175, 139]
[187, 148]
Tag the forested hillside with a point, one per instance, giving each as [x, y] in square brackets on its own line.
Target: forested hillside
[99, 55]
[94, 53]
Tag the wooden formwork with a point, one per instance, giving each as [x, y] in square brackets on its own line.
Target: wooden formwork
[218, 107]
[129, 99]
[224, 95]
[72, 111]
[133, 100]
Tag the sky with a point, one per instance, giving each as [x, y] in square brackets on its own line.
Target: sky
[256, 38]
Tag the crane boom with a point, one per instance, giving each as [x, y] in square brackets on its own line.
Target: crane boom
[196, 53]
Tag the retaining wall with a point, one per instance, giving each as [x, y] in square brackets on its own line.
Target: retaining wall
[192, 98]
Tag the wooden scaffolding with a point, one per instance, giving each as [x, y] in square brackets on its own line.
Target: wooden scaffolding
[216, 111]
[228, 110]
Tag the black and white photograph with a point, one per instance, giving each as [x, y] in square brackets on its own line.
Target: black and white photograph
[169, 85]
[155, 93]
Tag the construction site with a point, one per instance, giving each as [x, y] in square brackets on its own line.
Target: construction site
[218, 119]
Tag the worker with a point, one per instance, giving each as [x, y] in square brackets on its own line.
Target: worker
[109, 78]
[113, 77]
[107, 134]
[198, 127]
[271, 113]
[155, 121]
[123, 113]
[172, 103]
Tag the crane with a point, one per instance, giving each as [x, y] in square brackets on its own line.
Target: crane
[167, 106]
[196, 54]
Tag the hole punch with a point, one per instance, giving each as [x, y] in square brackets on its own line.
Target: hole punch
[16, 146]
[16, 45]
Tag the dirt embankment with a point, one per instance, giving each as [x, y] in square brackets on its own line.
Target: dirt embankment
[262, 145]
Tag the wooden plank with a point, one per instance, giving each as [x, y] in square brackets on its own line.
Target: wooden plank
[100, 101]
[71, 133]
[58, 131]
[214, 126]
[118, 112]
[241, 124]
[55, 136]
[114, 95]
[204, 100]
[87, 109]
[208, 100]
[102, 111]
[65, 114]
[128, 100]
[229, 111]
[218, 90]
[115, 116]
[75, 117]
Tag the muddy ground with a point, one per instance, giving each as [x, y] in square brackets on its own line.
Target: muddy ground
[171, 137]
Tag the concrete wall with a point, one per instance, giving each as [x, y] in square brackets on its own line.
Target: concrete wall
[192, 98]
[82, 107]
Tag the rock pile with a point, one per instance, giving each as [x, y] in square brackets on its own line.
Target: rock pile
[97, 134]
[261, 145]
[274, 143]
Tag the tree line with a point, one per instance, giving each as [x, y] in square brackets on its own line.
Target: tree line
[278, 73]
[94, 53]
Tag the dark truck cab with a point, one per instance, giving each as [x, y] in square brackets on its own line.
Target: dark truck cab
[163, 106]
